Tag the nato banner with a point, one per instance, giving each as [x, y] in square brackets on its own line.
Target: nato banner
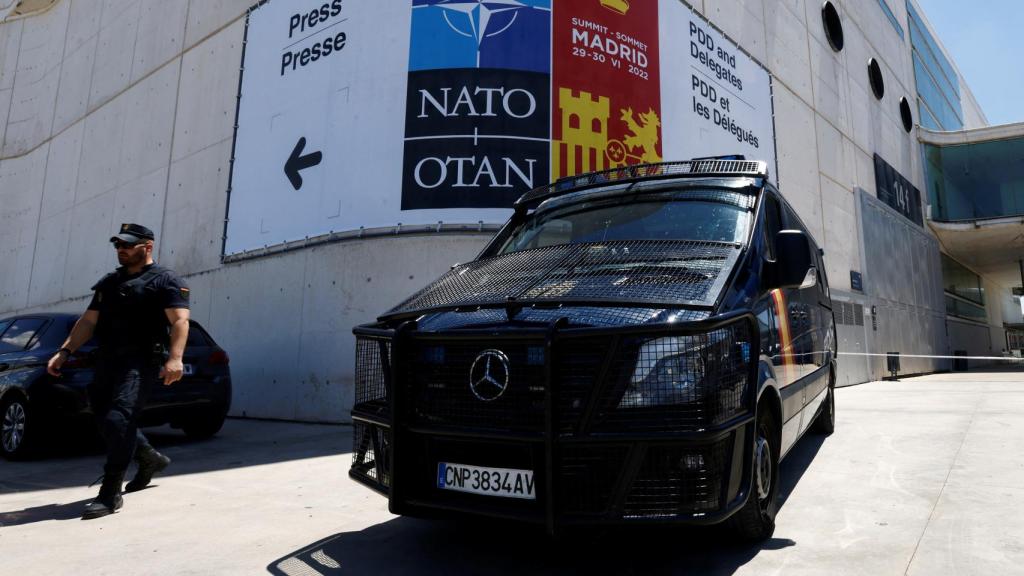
[363, 114]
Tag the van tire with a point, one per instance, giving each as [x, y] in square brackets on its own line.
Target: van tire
[755, 521]
[825, 423]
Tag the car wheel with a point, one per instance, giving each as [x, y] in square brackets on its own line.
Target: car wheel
[204, 424]
[755, 522]
[17, 428]
[825, 423]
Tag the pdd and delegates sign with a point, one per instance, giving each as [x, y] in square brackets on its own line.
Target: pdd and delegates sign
[367, 113]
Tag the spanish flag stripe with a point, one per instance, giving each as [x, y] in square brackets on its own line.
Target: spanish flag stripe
[784, 334]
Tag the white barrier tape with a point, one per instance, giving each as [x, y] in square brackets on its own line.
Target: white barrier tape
[901, 355]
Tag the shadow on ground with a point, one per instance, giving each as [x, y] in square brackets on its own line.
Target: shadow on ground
[76, 460]
[413, 546]
[409, 546]
[69, 511]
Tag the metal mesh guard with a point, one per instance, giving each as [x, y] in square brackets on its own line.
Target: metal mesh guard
[636, 271]
[372, 366]
[370, 446]
[752, 168]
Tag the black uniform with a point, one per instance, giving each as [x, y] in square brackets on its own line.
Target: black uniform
[133, 338]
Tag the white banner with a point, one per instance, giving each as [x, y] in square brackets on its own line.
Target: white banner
[362, 113]
[717, 100]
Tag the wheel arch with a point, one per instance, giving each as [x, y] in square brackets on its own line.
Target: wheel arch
[14, 392]
[769, 398]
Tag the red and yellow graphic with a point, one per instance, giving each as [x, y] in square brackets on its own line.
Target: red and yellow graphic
[785, 336]
[606, 88]
[617, 6]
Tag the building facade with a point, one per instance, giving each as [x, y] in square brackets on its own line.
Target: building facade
[307, 164]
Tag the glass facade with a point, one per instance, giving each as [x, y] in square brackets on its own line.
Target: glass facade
[961, 282]
[975, 181]
[938, 86]
[965, 295]
[963, 309]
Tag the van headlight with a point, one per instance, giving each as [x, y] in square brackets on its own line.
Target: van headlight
[668, 371]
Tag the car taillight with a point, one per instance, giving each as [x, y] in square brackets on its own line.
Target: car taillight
[218, 358]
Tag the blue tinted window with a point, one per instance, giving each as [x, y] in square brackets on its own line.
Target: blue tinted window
[925, 43]
[926, 118]
[938, 85]
[974, 181]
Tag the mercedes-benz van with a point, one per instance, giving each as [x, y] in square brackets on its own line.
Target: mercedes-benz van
[639, 345]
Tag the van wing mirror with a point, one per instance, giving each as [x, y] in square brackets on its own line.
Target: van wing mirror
[792, 259]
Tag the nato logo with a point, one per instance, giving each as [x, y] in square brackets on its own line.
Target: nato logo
[505, 34]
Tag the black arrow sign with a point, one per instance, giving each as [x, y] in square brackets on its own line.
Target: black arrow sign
[297, 162]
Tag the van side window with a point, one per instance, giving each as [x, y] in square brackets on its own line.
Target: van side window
[790, 221]
[773, 222]
[822, 279]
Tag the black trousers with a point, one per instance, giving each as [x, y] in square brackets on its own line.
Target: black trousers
[117, 397]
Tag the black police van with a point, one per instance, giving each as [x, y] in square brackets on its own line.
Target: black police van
[639, 345]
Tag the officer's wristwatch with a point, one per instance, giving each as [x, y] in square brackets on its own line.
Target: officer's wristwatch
[64, 350]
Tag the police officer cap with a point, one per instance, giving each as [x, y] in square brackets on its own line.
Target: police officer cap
[132, 233]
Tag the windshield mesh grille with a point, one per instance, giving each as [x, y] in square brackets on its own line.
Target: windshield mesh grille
[636, 271]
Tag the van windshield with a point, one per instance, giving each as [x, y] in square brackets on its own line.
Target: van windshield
[657, 218]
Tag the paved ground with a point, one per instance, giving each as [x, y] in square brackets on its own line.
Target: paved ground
[923, 476]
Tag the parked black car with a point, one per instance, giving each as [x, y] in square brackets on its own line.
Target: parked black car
[640, 345]
[35, 405]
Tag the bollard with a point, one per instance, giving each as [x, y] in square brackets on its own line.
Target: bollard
[892, 364]
[960, 364]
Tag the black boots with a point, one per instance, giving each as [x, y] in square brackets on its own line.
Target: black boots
[109, 499]
[150, 462]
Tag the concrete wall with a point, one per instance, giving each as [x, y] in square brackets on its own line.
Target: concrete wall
[123, 110]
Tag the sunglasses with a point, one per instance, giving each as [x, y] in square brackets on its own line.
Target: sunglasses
[118, 245]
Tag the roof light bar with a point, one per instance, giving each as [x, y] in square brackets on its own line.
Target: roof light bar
[696, 167]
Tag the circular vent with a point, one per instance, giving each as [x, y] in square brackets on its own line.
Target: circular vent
[875, 77]
[905, 115]
[833, 26]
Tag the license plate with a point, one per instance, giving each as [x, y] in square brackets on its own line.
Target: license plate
[188, 370]
[502, 482]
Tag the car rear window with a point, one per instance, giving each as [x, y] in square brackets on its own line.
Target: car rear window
[19, 333]
[52, 336]
[196, 337]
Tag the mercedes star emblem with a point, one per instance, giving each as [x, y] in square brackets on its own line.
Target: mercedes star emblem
[488, 376]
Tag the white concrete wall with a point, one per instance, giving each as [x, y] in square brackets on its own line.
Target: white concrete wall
[123, 110]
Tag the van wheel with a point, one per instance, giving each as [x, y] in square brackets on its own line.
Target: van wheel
[17, 428]
[825, 423]
[755, 522]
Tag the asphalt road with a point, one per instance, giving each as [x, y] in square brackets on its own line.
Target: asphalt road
[923, 476]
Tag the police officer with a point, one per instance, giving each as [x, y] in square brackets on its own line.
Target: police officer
[139, 314]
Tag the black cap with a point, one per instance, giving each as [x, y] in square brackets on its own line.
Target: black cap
[132, 233]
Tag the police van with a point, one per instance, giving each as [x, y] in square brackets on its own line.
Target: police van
[641, 345]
